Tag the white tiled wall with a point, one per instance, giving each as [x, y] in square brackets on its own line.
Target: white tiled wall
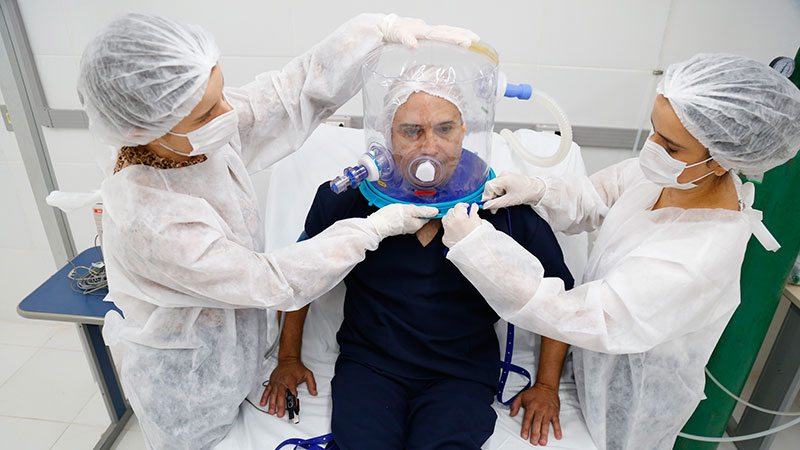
[595, 58]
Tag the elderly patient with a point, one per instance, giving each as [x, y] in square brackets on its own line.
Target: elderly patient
[419, 360]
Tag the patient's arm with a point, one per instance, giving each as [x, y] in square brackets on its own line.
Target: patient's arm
[290, 370]
[541, 401]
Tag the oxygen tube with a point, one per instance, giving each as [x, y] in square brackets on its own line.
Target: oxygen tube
[745, 437]
[525, 92]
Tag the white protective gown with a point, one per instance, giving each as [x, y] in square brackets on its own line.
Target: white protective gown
[659, 289]
[183, 252]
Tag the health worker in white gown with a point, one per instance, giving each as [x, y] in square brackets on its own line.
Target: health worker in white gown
[662, 280]
[183, 237]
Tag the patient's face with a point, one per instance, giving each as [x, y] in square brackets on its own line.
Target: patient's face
[426, 125]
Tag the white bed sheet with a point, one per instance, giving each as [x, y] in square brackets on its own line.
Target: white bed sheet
[292, 185]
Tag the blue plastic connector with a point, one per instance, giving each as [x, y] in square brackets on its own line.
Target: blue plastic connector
[520, 91]
[350, 178]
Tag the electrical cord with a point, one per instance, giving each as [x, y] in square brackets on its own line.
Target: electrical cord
[89, 280]
[267, 355]
[265, 383]
[274, 345]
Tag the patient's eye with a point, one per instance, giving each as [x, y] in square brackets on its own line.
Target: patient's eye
[410, 131]
[444, 129]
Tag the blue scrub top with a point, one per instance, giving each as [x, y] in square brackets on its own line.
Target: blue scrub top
[408, 310]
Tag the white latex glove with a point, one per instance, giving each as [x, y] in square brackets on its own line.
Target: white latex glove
[400, 219]
[406, 31]
[458, 223]
[511, 189]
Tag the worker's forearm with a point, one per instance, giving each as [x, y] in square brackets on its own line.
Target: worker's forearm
[292, 335]
[551, 360]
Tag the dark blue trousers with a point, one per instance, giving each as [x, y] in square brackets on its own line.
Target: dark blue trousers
[373, 410]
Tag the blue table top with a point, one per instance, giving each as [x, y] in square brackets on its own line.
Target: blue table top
[55, 299]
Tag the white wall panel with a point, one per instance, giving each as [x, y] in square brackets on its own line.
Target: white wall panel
[85, 18]
[758, 29]
[595, 158]
[241, 28]
[9, 151]
[13, 227]
[354, 107]
[590, 97]
[71, 145]
[59, 75]
[24, 208]
[606, 34]
[313, 20]
[46, 25]
[25, 258]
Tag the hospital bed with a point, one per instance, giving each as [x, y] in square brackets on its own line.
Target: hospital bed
[292, 184]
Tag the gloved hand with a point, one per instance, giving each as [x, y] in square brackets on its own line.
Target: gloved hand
[400, 219]
[459, 222]
[406, 31]
[511, 189]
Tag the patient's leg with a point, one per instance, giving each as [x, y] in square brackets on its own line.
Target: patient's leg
[369, 409]
[451, 414]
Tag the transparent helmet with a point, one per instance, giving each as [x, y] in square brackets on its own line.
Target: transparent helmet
[428, 119]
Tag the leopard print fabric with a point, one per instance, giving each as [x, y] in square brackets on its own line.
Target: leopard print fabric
[129, 156]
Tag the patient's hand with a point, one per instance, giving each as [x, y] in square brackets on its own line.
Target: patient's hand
[289, 373]
[542, 406]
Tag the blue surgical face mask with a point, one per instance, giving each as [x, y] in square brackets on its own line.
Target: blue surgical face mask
[664, 170]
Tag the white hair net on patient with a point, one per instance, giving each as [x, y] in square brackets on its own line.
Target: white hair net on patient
[439, 81]
[141, 75]
[746, 113]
